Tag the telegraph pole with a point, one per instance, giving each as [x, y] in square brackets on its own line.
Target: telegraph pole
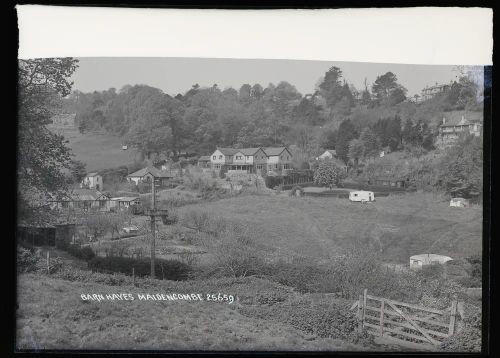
[153, 225]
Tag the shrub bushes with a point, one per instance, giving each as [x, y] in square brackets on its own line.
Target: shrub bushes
[333, 321]
[27, 260]
[468, 339]
[164, 269]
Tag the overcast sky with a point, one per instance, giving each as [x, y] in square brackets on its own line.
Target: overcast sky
[177, 75]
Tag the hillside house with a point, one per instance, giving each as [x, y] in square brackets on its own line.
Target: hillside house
[82, 199]
[418, 261]
[452, 128]
[92, 181]
[147, 174]
[328, 154]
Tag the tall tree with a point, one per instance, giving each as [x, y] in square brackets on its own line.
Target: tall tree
[346, 133]
[42, 155]
[331, 87]
[386, 89]
[370, 143]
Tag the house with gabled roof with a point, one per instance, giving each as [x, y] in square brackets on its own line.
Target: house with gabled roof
[147, 174]
[83, 199]
[252, 160]
[328, 154]
[278, 159]
[454, 126]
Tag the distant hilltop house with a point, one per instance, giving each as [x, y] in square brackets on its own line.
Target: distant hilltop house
[455, 126]
[252, 160]
[84, 199]
[92, 181]
[64, 119]
[430, 92]
[419, 261]
[328, 154]
[147, 174]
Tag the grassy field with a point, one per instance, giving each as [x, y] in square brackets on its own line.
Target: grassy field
[396, 226]
[52, 315]
[97, 151]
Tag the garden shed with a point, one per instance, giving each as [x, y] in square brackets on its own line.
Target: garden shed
[419, 261]
[459, 202]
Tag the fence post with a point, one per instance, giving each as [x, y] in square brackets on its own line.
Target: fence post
[48, 262]
[365, 292]
[360, 313]
[133, 276]
[382, 307]
[453, 313]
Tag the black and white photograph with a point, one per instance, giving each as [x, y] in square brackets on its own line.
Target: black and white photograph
[191, 203]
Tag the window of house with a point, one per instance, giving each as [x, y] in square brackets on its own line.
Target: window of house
[220, 156]
[238, 157]
[214, 157]
[355, 194]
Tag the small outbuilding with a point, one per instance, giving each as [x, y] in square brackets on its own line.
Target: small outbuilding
[459, 202]
[419, 261]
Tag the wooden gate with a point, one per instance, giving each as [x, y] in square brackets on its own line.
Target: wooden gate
[405, 324]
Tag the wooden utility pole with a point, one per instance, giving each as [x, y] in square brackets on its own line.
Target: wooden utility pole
[153, 226]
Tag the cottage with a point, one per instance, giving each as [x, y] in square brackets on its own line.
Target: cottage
[92, 181]
[418, 261]
[328, 154]
[84, 199]
[124, 202]
[147, 174]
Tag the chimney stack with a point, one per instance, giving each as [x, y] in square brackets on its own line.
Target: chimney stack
[444, 120]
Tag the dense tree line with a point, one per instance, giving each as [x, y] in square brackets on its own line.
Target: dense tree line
[334, 115]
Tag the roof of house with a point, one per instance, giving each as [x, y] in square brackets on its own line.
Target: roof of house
[388, 178]
[125, 198]
[457, 118]
[430, 257]
[204, 158]
[84, 194]
[274, 150]
[331, 151]
[92, 174]
[150, 170]
[249, 151]
[228, 151]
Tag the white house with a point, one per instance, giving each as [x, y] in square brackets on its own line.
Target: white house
[92, 181]
[361, 196]
[418, 261]
[328, 154]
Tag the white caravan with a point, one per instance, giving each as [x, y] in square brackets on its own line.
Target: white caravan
[362, 196]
